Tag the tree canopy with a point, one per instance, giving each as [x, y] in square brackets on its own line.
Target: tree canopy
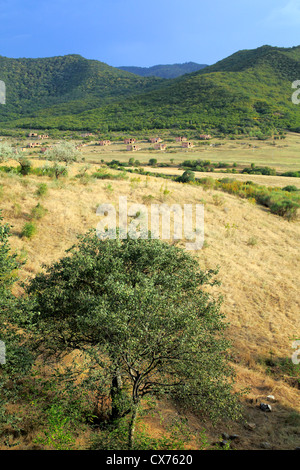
[142, 310]
[65, 152]
[6, 151]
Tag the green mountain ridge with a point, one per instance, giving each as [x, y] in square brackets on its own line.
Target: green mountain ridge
[165, 71]
[246, 59]
[79, 83]
[250, 91]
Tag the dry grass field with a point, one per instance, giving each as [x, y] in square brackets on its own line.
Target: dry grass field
[257, 253]
[283, 156]
[278, 181]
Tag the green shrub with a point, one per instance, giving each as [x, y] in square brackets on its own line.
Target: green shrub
[290, 188]
[28, 230]
[263, 197]
[9, 169]
[285, 208]
[222, 165]
[58, 433]
[25, 166]
[187, 177]
[259, 170]
[104, 175]
[207, 182]
[292, 174]
[115, 437]
[38, 211]
[252, 241]
[42, 190]
[109, 188]
[51, 171]
[59, 170]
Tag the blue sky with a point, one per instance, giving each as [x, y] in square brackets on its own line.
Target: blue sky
[143, 32]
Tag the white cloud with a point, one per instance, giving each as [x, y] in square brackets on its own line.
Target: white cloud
[287, 15]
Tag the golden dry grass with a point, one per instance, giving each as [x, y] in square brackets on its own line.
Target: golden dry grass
[278, 181]
[283, 156]
[257, 252]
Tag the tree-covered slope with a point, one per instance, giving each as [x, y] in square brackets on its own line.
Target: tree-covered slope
[250, 90]
[165, 71]
[79, 83]
[245, 59]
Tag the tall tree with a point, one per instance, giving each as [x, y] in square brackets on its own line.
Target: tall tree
[142, 309]
[64, 152]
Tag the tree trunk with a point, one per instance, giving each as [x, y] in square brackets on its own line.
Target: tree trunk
[132, 425]
[116, 396]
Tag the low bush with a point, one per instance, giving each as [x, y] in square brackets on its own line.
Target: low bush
[42, 190]
[276, 199]
[290, 188]
[285, 208]
[51, 171]
[292, 174]
[104, 175]
[25, 166]
[28, 230]
[38, 211]
[253, 170]
[187, 177]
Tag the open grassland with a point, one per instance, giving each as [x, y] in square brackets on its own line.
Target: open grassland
[258, 256]
[277, 181]
[283, 155]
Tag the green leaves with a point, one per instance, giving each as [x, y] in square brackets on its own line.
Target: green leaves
[248, 90]
[6, 151]
[63, 152]
[8, 262]
[18, 358]
[141, 304]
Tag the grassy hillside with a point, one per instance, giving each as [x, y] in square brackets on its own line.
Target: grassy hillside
[257, 253]
[165, 71]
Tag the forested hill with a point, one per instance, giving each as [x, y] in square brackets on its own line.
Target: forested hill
[247, 92]
[282, 60]
[165, 71]
[33, 84]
